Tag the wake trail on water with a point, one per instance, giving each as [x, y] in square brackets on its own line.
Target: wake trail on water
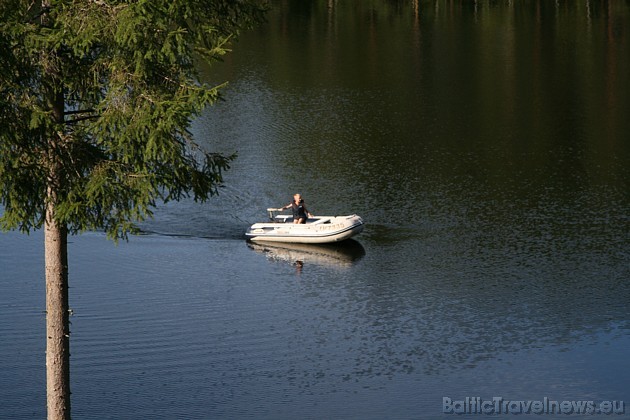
[226, 216]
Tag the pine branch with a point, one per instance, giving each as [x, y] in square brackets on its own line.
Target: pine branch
[79, 111]
[79, 119]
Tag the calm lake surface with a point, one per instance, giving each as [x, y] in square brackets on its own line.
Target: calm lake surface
[487, 146]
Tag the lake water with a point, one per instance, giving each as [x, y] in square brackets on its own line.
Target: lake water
[486, 144]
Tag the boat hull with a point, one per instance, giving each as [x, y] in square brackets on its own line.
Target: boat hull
[320, 230]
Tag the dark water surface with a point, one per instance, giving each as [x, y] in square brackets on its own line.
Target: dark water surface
[486, 144]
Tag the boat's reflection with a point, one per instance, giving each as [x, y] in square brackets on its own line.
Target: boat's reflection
[340, 254]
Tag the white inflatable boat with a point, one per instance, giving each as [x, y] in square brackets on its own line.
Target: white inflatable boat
[316, 230]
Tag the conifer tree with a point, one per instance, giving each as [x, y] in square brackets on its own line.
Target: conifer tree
[96, 97]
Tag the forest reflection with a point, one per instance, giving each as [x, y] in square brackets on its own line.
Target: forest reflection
[514, 78]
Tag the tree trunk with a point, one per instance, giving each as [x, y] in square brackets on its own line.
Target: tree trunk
[56, 254]
[57, 316]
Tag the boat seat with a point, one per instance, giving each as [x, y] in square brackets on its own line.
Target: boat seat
[320, 221]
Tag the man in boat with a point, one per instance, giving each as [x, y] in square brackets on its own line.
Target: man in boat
[300, 213]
